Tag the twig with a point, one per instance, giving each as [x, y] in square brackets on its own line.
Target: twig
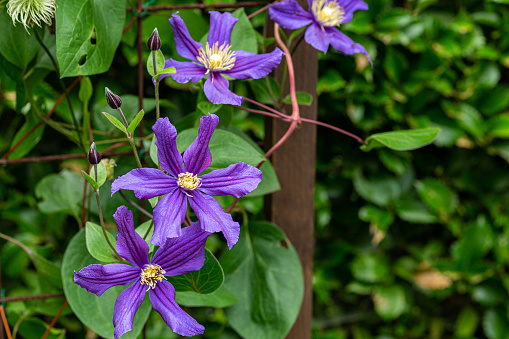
[198, 6]
[20, 244]
[266, 107]
[259, 112]
[34, 297]
[54, 321]
[129, 25]
[138, 207]
[60, 157]
[6, 324]
[359, 139]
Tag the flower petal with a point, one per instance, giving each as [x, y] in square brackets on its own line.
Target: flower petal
[98, 278]
[183, 254]
[169, 214]
[197, 156]
[186, 46]
[145, 182]
[126, 306]
[166, 141]
[237, 180]
[288, 14]
[213, 218]
[221, 26]
[216, 90]
[130, 245]
[254, 66]
[340, 42]
[350, 6]
[184, 71]
[317, 38]
[162, 298]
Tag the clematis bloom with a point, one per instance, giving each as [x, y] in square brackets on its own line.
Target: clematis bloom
[181, 184]
[176, 257]
[217, 58]
[322, 17]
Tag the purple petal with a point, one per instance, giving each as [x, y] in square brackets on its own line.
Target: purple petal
[213, 218]
[183, 254]
[169, 214]
[288, 14]
[166, 141]
[186, 46]
[98, 278]
[340, 42]
[254, 66]
[126, 306]
[197, 156]
[162, 298]
[221, 26]
[317, 38]
[237, 180]
[184, 71]
[216, 90]
[350, 6]
[145, 182]
[130, 245]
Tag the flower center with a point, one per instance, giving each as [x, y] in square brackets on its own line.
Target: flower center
[151, 275]
[189, 181]
[328, 12]
[217, 58]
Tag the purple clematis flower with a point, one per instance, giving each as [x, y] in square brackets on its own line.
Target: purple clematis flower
[180, 185]
[217, 58]
[323, 16]
[177, 256]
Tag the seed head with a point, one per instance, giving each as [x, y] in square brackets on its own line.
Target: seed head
[154, 42]
[113, 100]
[93, 155]
[30, 12]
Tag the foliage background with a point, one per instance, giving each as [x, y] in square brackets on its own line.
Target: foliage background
[408, 244]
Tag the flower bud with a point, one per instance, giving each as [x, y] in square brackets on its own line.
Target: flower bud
[113, 100]
[93, 155]
[154, 42]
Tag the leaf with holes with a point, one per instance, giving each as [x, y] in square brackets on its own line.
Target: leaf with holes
[87, 35]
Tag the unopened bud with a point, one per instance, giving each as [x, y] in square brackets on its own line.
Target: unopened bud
[154, 42]
[113, 100]
[93, 155]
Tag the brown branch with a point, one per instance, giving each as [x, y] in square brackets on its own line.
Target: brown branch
[199, 6]
[54, 321]
[129, 25]
[6, 324]
[48, 158]
[33, 297]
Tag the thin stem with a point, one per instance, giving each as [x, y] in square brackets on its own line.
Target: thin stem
[266, 107]
[6, 324]
[359, 139]
[20, 244]
[259, 112]
[62, 85]
[124, 121]
[55, 319]
[59, 157]
[34, 297]
[282, 140]
[199, 6]
[148, 229]
[188, 219]
[263, 9]
[138, 207]
[135, 151]
[95, 172]
[103, 226]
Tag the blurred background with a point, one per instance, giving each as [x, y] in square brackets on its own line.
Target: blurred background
[408, 244]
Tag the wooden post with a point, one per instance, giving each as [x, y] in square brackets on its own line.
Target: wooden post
[292, 208]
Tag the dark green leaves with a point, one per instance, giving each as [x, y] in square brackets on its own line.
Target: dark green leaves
[263, 271]
[402, 140]
[97, 245]
[92, 31]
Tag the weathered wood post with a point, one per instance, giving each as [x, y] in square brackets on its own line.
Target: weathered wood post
[292, 208]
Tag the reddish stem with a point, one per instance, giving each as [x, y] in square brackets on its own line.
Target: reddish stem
[60, 157]
[266, 107]
[54, 321]
[129, 25]
[259, 112]
[198, 6]
[39, 124]
[6, 324]
[33, 297]
[359, 139]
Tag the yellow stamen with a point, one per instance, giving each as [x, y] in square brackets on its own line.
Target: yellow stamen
[328, 12]
[189, 181]
[151, 275]
[217, 58]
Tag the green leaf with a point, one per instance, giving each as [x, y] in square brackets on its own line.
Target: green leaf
[437, 196]
[205, 281]
[226, 148]
[135, 122]
[219, 299]
[390, 301]
[402, 140]
[466, 323]
[87, 35]
[60, 193]
[243, 34]
[262, 92]
[47, 269]
[90, 180]
[97, 245]
[31, 120]
[86, 90]
[495, 324]
[380, 190]
[32, 328]
[263, 271]
[207, 107]
[142, 229]
[93, 311]
[16, 45]
[159, 62]
[115, 122]
[303, 98]
[167, 70]
[101, 173]
[370, 268]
